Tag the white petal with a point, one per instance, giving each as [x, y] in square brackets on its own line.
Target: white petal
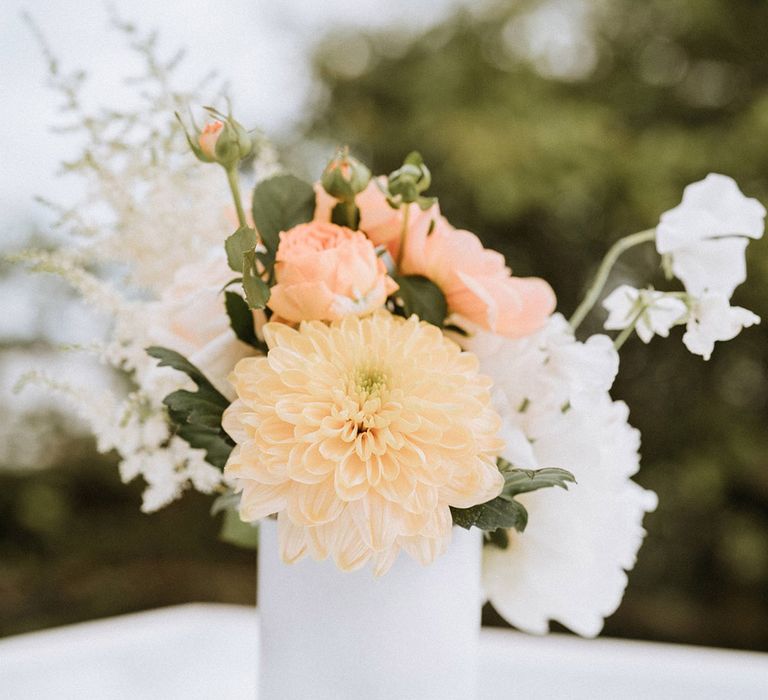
[717, 266]
[715, 319]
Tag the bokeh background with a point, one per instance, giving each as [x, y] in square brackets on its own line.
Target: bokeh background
[552, 127]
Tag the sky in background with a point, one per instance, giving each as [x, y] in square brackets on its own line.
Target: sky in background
[261, 48]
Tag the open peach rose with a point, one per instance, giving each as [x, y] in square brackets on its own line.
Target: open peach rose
[325, 272]
[380, 222]
[476, 281]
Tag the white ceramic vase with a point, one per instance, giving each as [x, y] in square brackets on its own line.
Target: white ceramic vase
[412, 634]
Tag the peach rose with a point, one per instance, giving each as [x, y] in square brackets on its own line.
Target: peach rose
[380, 222]
[325, 272]
[476, 281]
[209, 136]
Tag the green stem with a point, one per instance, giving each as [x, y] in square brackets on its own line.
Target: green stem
[403, 236]
[234, 186]
[622, 337]
[604, 271]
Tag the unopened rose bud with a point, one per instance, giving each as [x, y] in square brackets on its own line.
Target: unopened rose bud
[408, 182]
[208, 137]
[345, 176]
[222, 141]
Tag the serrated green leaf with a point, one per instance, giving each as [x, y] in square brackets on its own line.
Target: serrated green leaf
[241, 320]
[518, 481]
[280, 203]
[171, 358]
[256, 289]
[421, 296]
[242, 240]
[196, 414]
[495, 514]
[216, 443]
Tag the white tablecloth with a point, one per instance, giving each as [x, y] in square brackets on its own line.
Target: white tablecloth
[209, 652]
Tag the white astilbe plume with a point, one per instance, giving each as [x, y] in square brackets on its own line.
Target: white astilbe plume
[147, 209]
[570, 564]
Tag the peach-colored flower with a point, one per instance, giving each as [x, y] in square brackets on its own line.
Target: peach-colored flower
[476, 281]
[325, 272]
[209, 136]
[380, 222]
[360, 436]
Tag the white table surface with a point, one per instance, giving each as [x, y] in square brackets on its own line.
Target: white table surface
[207, 651]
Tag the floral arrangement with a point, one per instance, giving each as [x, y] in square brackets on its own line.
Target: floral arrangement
[337, 355]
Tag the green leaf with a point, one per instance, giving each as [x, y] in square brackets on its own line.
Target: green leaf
[216, 443]
[241, 320]
[242, 240]
[524, 480]
[171, 358]
[196, 414]
[256, 289]
[498, 538]
[280, 203]
[235, 531]
[495, 514]
[421, 296]
[504, 512]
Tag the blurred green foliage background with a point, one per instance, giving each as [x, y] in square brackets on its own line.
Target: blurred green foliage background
[551, 128]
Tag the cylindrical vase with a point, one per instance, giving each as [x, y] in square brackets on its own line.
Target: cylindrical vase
[411, 634]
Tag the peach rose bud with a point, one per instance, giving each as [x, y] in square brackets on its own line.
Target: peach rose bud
[209, 136]
[325, 272]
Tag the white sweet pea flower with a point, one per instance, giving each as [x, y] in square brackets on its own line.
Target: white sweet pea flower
[713, 318]
[706, 235]
[570, 564]
[650, 311]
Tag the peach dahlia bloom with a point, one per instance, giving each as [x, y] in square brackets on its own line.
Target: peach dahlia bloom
[325, 272]
[476, 281]
[360, 435]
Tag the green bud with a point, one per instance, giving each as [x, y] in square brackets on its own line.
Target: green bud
[408, 182]
[345, 176]
[222, 140]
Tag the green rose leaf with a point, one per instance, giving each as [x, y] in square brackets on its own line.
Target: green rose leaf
[255, 288]
[279, 203]
[196, 415]
[504, 512]
[495, 514]
[421, 296]
[524, 480]
[241, 320]
[242, 240]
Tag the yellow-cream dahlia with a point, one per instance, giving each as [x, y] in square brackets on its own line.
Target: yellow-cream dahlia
[360, 436]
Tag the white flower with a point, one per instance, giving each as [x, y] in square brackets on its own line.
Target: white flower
[570, 563]
[652, 312]
[712, 319]
[707, 233]
[191, 319]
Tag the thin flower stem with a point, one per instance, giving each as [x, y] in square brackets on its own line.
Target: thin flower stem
[622, 337]
[604, 271]
[234, 186]
[403, 235]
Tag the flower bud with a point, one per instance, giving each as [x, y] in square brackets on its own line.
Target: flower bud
[345, 176]
[408, 182]
[222, 140]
